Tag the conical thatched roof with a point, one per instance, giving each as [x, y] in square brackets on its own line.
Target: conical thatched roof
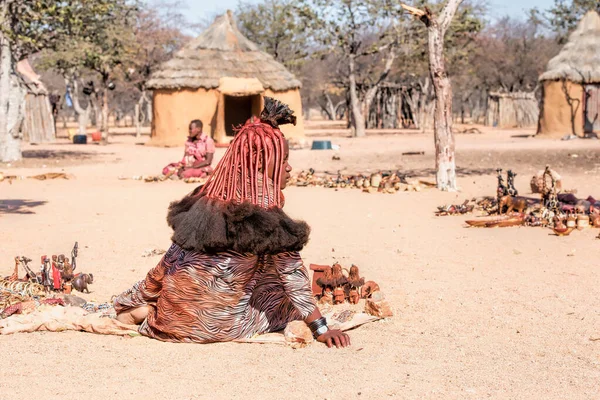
[220, 52]
[579, 59]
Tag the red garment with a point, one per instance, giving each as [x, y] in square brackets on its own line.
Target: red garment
[195, 153]
[56, 277]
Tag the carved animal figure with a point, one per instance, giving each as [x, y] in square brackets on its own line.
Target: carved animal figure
[510, 182]
[502, 190]
[518, 204]
[81, 281]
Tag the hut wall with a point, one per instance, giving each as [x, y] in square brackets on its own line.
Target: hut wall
[555, 113]
[38, 125]
[174, 109]
[291, 98]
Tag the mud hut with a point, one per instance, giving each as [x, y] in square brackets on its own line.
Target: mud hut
[512, 110]
[221, 78]
[38, 122]
[571, 84]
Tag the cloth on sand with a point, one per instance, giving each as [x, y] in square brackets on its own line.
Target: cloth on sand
[58, 318]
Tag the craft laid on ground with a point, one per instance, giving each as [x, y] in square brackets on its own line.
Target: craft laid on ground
[162, 178]
[336, 285]
[57, 275]
[358, 303]
[377, 182]
[557, 209]
[40, 177]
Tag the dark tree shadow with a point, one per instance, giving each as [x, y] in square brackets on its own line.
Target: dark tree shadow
[460, 172]
[19, 206]
[60, 154]
[422, 172]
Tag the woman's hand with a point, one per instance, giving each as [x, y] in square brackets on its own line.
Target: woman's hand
[334, 337]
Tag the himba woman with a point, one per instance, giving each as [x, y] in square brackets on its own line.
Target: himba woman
[234, 268]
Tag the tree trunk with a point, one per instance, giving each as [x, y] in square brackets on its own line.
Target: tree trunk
[329, 108]
[138, 128]
[442, 123]
[149, 115]
[10, 145]
[105, 115]
[445, 162]
[83, 115]
[425, 105]
[357, 120]
[370, 95]
[95, 116]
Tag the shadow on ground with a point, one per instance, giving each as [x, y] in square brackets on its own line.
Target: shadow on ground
[60, 154]
[460, 172]
[19, 206]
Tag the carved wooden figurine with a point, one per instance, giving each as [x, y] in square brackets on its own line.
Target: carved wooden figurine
[354, 283]
[518, 204]
[326, 284]
[81, 281]
[339, 281]
[510, 183]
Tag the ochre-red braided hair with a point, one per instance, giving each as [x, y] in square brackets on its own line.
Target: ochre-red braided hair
[241, 175]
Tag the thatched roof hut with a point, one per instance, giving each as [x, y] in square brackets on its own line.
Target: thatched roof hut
[220, 77]
[571, 83]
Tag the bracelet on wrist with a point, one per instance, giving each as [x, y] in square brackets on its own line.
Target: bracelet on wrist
[318, 327]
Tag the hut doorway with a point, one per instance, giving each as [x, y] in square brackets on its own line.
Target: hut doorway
[238, 109]
[592, 109]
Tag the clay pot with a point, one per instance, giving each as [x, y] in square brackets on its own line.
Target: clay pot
[583, 221]
[353, 296]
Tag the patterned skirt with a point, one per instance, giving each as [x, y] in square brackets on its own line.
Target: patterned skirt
[202, 298]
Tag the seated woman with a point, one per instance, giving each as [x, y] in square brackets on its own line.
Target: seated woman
[198, 155]
[234, 268]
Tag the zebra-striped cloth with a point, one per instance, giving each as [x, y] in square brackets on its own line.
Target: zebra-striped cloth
[202, 298]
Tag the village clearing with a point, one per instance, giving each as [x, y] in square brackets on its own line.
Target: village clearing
[479, 313]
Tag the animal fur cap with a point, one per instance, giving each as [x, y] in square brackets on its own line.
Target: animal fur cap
[211, 226]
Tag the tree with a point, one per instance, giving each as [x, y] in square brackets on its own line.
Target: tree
[281, 27]
[564, 15]
[25, 27]
[411, 68]
[442, 123]
[99, 36]
[511, 54]
[158, 35]
[355, 30]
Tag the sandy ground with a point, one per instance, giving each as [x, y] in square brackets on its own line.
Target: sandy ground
[508, 313]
